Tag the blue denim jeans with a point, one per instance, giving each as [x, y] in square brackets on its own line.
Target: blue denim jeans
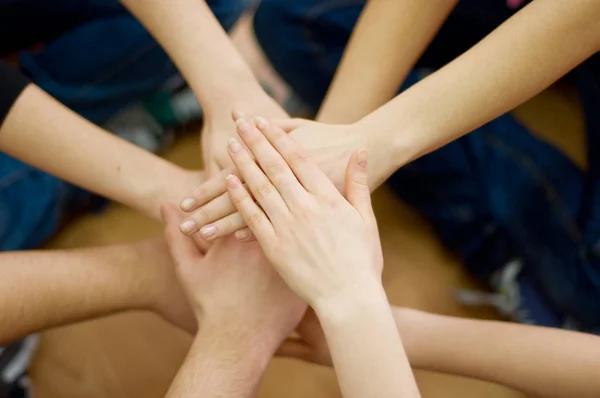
[498, 193]
[95, 58]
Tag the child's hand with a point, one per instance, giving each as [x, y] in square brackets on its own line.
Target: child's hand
[323, 245]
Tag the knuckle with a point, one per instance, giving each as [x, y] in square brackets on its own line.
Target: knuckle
[275, 168]
[225, 224]
[265, 189]
[203, 215]
[254, 219]
[297, 157]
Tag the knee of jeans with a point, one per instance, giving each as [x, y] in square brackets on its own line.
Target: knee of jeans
[228, 12]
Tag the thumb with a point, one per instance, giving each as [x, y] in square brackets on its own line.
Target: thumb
[289, 125]
[295, 348]
[182, 247]
[357, 185]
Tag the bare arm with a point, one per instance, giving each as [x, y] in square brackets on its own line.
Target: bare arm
[219, 76]
[221, 363]
[40, 131]
[526, 54]
[542, 362]
[386, 42]
[45, 289]
[366, 350]
[190, 33]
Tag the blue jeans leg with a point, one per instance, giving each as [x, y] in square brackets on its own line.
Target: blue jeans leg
[106, 59]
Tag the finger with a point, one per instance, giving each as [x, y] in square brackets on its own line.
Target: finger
[253, 215]
[235, 115]
[202, 218]
[182, 247]
[257, 182]
[357, 185]
[289, 125]
[245, 235]
[270, 161]
[224, 226]
[201, 244]
[210, 189]
[212, 169]
[295, 348]
[304, 168]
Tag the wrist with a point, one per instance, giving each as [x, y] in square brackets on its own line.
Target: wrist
[237, 338]
[147, 273]
[170, 185]
[345, 306]
[241, 91]
[393, 147]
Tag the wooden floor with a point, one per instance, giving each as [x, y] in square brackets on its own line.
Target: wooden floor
[135, 355]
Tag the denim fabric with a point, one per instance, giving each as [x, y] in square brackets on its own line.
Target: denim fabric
[498, 193]
[96, 59]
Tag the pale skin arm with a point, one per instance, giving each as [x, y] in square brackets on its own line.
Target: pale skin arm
[385, 44]
[522, 57]
[541, 362]
[44, 289]
[192, 36]
[45, 134]
[367, 353]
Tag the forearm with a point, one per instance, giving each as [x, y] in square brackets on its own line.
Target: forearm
[366, 350]
[522, 57]
[386, 42]
[45, 289]
[220, 364]
[542, 362]
[40, 131]
[192, 36]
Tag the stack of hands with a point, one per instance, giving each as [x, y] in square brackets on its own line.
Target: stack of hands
[314, 247]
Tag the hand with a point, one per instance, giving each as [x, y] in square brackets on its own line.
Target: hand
[167, 298]
[217, 130]
[330, 145]
[233, 286]
[321, 244]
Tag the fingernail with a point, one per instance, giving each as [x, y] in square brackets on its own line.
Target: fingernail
[231, 181]
[208, 231]
[242, 234]
[362, 158]
[188, 226]
[188, 204]
[243, 125]
[261, 123]
[234, 145]
[237, 114]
